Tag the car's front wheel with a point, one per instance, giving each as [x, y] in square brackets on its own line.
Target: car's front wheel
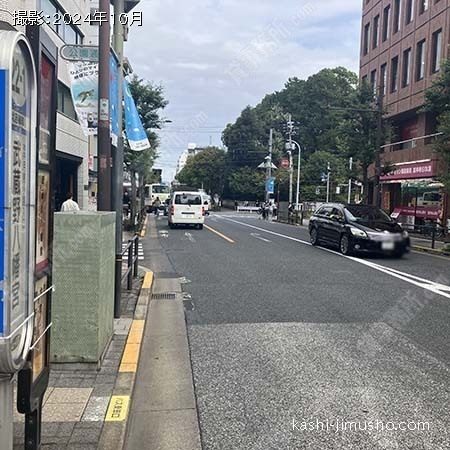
[314, 239]
[345, 245]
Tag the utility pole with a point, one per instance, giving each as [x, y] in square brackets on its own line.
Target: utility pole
[104, 138]
[328, 181]
[291, 166]
[350, 181]
[377, 196]
[117, 185]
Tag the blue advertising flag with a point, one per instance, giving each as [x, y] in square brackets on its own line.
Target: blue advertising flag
[270, 186]
[137, 138]
[114, 98]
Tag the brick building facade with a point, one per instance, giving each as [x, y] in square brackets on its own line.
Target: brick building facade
[402, 45]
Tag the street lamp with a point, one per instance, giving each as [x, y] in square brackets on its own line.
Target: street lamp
[297, 198]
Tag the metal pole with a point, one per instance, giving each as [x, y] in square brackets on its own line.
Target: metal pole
[297, 197]
[130, 265]
[378, 145]
[291, 167]
[117, 188]
[328, 181]
[136, 256]
[6, 413]
[350, 183]
[269, 168]
[104, 138]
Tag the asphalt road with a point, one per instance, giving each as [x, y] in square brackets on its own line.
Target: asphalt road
[285, 336]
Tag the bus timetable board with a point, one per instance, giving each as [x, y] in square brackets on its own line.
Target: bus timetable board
[17, 198]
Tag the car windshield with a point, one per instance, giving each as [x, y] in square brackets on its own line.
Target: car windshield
[364, 213]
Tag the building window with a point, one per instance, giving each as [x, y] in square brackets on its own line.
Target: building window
[424, 5]
[397, 15]
[373, 80]
[68, 33]
[383, 78]
[386, 22]
[394, 74]
[406, 78]
[65, 103]
[376, 31]
[366, 38]
[436, 50]
[420, 61]
[409, 11]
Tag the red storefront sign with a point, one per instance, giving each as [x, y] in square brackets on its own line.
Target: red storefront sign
[412, 170]
[426, 212]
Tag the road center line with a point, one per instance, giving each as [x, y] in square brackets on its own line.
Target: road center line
[411, 279]
[219, 234]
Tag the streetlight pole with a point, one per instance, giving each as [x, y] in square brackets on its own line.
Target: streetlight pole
[350, 182]
[297, 197]
[291, 167]
[269, 168]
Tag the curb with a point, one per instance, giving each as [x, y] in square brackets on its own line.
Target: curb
[432, 251]
[116, 420]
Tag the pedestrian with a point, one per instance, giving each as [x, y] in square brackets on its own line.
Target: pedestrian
[69, 204]
[156, 205]
[270, 211]
[126, 201]
[275, 210]
[236, 204]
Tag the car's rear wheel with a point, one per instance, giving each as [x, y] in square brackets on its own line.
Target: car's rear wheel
[345, 246]
[171, 225]
[314, 236]
[200, 226]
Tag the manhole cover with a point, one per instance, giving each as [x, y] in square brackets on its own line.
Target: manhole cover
[164, 296]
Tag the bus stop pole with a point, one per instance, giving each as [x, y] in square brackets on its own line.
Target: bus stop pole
[6, 413]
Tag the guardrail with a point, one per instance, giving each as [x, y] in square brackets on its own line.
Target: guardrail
[432, 231]
[132, 261]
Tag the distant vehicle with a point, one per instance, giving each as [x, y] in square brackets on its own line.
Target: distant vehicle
[358, 228]
[186, 208]
[430, 199]
[154, 191]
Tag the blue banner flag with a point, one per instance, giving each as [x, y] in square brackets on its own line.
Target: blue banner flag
[137, 138]
[114, 98]
[270, 186]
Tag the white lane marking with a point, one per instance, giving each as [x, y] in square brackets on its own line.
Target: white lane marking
[190, 237]
[423, 283]
[258, 236]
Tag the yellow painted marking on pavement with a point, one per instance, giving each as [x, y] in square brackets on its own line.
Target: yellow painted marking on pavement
[130, 357]
[118, 408]
[219, 234]
[148, 280]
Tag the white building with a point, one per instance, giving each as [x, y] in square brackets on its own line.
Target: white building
[191, 151]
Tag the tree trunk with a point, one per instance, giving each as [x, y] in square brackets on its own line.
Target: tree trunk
[133, 199]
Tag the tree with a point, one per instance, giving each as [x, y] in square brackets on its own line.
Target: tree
[246, 184]
[206, 170]
[437, 102]
[149, 99]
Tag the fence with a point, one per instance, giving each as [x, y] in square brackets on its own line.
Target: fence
[132, 261]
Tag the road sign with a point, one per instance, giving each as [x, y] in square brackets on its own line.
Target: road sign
[17, 198]
[285, 163]
[270, 186]
[88, 53]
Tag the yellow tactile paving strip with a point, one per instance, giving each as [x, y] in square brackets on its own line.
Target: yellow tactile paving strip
[130, 356]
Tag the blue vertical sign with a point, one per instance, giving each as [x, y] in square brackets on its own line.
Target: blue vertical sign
[114, 98]
[270, 186]
[3, 79]
[136, 135]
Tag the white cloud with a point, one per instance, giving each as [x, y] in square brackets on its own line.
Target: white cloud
[189, 47]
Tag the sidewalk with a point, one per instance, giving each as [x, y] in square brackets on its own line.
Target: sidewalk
[77, 401]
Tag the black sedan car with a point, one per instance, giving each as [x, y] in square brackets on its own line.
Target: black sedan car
[354, 228]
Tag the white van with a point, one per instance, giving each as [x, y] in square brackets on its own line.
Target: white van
[186, 208]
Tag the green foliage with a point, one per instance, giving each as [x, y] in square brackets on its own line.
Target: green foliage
[207, 169]
[246, 184]
[437, 101]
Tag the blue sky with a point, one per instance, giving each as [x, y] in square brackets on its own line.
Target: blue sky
[214, 57]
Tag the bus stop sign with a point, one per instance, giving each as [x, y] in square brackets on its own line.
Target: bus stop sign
[17, 198]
